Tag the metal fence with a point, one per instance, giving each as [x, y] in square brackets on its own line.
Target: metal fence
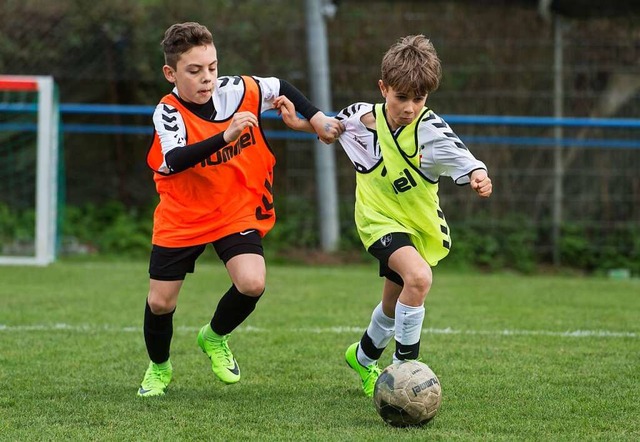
[500, 62]
[599, 181]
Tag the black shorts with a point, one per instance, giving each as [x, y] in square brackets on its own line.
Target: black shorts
[383, 248]
[173, 263]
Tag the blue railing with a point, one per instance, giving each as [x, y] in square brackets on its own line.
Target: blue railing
[457, 120]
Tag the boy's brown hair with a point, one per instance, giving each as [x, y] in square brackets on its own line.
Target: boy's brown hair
[181, 37]
[412, 65]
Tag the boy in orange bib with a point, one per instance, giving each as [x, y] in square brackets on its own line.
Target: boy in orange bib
[213, 170]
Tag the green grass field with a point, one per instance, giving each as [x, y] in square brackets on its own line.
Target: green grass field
[540, 358]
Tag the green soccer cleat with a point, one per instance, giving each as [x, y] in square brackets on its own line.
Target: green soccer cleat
[368, 374]
[223, 364]
[156, 379]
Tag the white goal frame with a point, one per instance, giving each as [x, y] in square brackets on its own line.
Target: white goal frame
[48, 117]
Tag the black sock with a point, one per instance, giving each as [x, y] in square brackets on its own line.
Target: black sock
[233, 308]
[407, 351]
[158, 331]
[366, 344]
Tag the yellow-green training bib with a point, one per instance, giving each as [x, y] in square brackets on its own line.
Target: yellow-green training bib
[396, 197]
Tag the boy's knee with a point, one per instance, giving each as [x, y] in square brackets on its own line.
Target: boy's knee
[252, 286]
[419, 281]
[159, 305]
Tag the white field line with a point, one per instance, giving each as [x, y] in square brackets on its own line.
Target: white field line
[92, 328]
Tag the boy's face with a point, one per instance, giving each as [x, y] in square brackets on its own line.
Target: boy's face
[402, 107]
[196, 74]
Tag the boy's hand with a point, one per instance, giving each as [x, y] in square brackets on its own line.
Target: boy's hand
[328, 129]
[481, 183]
[287, 111]
[239, 122]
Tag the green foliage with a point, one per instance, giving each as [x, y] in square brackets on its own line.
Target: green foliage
[511, 243]
[16, 225]
[592, 249]
[508, 243]
[108, 229]
[295, 226]
[574, 246]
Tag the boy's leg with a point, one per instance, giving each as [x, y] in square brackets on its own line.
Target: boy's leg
[409, 309]
[158, 318]
[158, 331]
[242, 255]
[363, 356]
[381, 328]
[167, 269]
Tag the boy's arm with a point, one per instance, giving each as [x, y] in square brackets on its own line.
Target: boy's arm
[182, 158]
[287, 111]
[328, 129]
[332, 127]
[299, 101]
[444, 154]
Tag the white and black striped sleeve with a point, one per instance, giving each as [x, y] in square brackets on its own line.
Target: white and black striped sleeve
[351, 110]
[170, 128]
[443, 152]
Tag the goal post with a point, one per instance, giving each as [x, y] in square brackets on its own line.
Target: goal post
[29, 139]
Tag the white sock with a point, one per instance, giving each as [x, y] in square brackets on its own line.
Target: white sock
[380, 330]
[408, 323]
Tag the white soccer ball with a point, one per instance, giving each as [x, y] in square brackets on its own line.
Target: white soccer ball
[407, 394]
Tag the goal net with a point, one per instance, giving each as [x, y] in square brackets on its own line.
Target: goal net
[29, 121]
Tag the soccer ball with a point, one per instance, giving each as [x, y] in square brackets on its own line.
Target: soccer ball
[407, 394]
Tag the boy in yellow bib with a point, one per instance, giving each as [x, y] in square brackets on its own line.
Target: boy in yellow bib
[400, 149]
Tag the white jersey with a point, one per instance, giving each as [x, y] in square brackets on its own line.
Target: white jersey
[442, 153]
[226, 97]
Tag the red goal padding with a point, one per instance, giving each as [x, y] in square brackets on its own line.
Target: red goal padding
[18, 83]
